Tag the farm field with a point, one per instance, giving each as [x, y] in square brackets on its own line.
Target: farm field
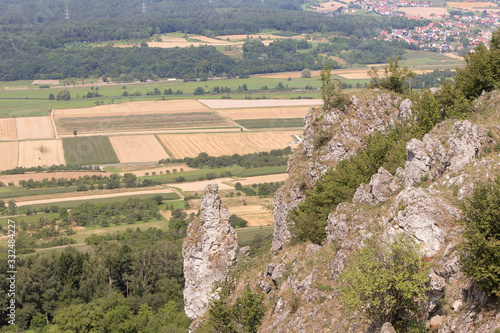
[263, 179]
[137, 148]
[217, 144]
[40, 176]
[425, 12]
[259, 103]
[34, 128]
[271, 123]
[8, 129]
[265, 113]
[134, 108]
[326, 7]
[40, 152]
[142, 172]
[89, 150]
[10, 154]
[472, 5]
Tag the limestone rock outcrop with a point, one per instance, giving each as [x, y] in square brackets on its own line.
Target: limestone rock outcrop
[382, 186]
[209, 250]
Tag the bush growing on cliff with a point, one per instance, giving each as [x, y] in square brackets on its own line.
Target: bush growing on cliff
[481, 255]
[385, 282]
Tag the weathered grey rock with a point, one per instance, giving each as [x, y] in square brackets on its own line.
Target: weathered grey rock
[278, 272]
[209, 250]
[429, 157]
[435, 293]
[284, 201]
[312, 248]
[422, 215]
[244, 251]
[382, 186]
[265, 283]
[466, 143]
[336, 228]
[270, 269]
[387, 328]
[405, 112]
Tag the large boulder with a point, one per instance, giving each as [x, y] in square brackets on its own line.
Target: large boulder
[209, 250]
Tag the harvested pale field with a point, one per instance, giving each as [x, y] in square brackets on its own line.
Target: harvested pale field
[266, 113]
[471, 5]
[40, 176]
[363, 74]
[139, 122]
[9, 152]
[264, 179]
[328, 6]
[142, 172]
[34, 128]
[454, 56]
[256, 36]
[217, 144]
[8, 129]
[424, 12]
[45, 82]
[43, 152]
[255, 215]
[131, 108]
[138, 148]
[258, 103]
[200, 185]
[16, 87]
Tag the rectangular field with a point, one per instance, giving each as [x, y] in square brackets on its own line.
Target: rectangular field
[9, 152]
[258, 103]
[265, 113]
[271, 123]
[8, 129]
[34, 128]
[140, 122]
[138, 148]
[89, 150]
[143, 107]
[217, 144]
[42, 152]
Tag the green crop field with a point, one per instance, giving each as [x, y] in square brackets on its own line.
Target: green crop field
[89, 150]
[16, 192]
[248, 234]
[271, 123]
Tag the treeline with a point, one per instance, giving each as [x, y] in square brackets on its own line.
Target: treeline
[262, 189]
[52, 168]
[275, 157]
[362, 51]
[434, 79]
[133, 284]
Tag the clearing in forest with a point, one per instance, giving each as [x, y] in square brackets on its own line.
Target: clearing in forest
[89, 150]
[8, 129]
[138, 148]
[42, 152]
[217, 144]
[9, 152]
[34, 128]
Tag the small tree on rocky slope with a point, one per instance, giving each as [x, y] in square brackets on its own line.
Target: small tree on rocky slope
[384, 281]
[481, 255]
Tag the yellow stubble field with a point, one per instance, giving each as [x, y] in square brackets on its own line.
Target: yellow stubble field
[34, 128]
[217, 144]
[8, 129]
[40, 152]
[137, 148]
[9, 151]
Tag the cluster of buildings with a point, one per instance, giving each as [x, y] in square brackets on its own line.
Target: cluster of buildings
[458, 32]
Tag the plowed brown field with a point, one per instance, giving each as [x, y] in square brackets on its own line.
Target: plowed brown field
[217, 144]
[138, 148]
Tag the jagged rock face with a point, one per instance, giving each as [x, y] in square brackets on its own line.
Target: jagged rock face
[421, 214]
[209, 250]
[382, 186]
[430, 157]
[348, 131]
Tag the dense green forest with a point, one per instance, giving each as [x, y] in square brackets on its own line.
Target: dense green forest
[34, 38]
